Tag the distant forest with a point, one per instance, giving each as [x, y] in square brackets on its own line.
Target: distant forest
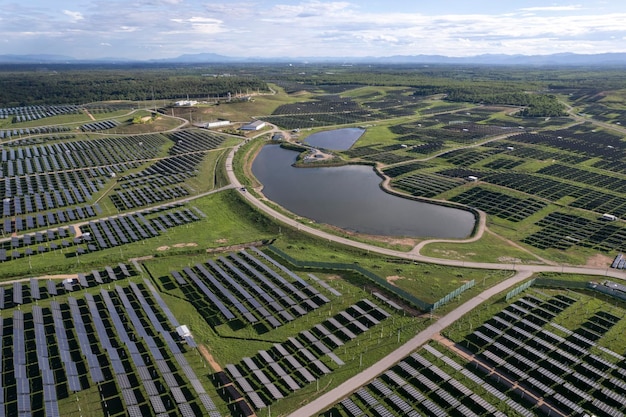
[535, 89]
[85, 85]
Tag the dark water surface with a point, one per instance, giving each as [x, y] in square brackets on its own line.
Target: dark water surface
[336, 140]
[349, 197]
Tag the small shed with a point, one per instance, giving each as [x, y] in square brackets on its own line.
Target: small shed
[183, 331]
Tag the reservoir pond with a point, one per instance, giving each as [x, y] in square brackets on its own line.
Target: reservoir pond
[336, 140]
[349, 197]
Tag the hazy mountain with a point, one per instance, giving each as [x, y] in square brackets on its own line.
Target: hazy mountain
[569, 59]
[199, 58]
[35, 59]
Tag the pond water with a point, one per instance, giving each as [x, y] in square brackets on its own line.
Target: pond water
[349, 197]
[335, 140]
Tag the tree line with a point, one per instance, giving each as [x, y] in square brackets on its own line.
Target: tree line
[76, 86]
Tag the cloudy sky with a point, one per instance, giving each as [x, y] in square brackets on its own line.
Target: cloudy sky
[144, 29]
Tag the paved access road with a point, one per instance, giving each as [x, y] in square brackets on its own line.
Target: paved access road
[321, 403]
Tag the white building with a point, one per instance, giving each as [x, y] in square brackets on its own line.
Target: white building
[186, 103]
[219, 123]
[256, 125]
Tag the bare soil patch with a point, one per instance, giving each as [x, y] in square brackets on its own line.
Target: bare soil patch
[333, 277]
[389, 240]
[209, 358]
[185, 245]
[599, 261]
[77, 231]
[393, 278]
[162, 248]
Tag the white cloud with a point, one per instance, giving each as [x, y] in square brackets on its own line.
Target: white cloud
[198, 24]
[105, 44]
[75, 16]
[552, 8]
[311, 28]
[127, 29]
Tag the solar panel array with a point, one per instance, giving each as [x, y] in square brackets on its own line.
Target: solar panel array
[120, 230]
[33, 244]
[288, 367]
[78, 342]
[517, 349]
[243, 287]
[28, 113]
[51, 184]
[20, 294]
[561, 369]
[417, 386]
[164, 179]
[101, 125]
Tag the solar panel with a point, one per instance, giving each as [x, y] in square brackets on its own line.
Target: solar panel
[234, 372]
[129, 397]
[250, 364]
[257, 402]
[306, 374]
[178, 395]
[321, 367]
[82, 280]
[170, 379]
[265, 356]
[244, 385]
[17, 293]
[157, 404]
[34, 289]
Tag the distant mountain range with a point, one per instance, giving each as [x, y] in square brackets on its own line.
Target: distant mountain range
[565, 59]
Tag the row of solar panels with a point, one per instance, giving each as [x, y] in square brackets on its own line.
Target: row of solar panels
[8, 134]
[82, 153]
[97, 317]
[194, 140]
[124, 229]
[289, 366]
[19, 294]
[20, 224]
[507, 346]
[149, 375]
[172, 166]
[53, 110]
[248, 288]
[78, 181]
[147, 195]
[409, 388]
[103, 125]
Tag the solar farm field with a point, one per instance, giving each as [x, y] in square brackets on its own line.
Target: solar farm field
[545, 353]
[164, 299]
[300, 330]
[97, 344]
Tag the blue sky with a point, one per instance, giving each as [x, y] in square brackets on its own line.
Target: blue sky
[144, 29]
